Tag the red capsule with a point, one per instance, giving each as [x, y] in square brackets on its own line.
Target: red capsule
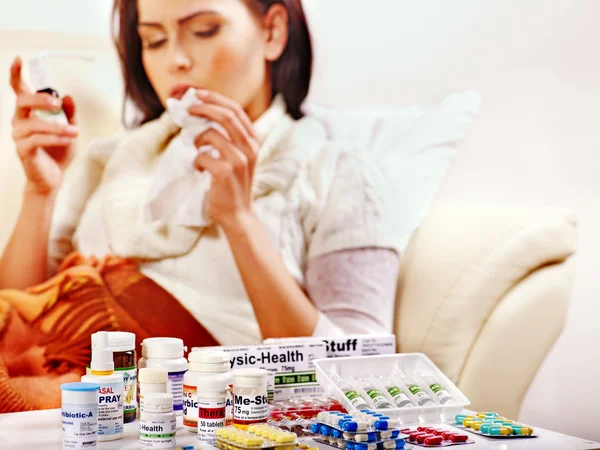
[430, 430]
[421, 439]
[435, 440]
[421, 428]
[413, 435]
[447, 434]
[459, 438]
[406, 431]
[438, 432]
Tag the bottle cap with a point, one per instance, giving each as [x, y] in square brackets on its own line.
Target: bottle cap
[162, 348]
[208, 357]
[119, 341]
[158, 403]
[249, 378]
[79, 393]
[102, 355]
[153, 375]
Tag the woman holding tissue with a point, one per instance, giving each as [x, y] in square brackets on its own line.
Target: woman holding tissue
[265, 230]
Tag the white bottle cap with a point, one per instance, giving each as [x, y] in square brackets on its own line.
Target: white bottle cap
[102, 355]
[212, 384]
[119, 341]
[162, 348]
[79, 393]
[158, 403]
[250, 378]
[153, 375]
[209, 362]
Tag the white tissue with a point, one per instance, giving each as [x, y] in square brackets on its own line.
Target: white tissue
[178, 189]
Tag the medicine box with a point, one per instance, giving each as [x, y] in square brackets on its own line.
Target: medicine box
[352, 345]
[291, 372]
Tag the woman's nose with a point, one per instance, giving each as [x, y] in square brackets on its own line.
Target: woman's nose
[179, 60]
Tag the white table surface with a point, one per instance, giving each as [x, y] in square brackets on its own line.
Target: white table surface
[42, 430]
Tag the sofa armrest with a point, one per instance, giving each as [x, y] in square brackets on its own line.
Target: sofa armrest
[460, 267]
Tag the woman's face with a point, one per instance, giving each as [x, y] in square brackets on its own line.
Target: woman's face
[218, 45]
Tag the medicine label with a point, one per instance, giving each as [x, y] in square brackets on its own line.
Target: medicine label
[110, 409]
[211, 415]
[355, 398]
[190, 406]
[250, 409]
[400, 398]
[420, 397]
[130, 388]
[175, 388]
[80, 426]
[442, 394]
[158, 434]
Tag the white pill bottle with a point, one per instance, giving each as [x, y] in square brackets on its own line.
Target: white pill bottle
[152, 381]
[158, 422]
[250, 401]
[202, 365]
[167, 353]
[79, 411]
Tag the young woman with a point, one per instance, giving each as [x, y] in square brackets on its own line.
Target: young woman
[299, 244]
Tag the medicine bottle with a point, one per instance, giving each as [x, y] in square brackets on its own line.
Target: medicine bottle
[211, 395]
[152, 381]
[167, 353]
[122, 345]
[110, 394]
[202, 364]
[250, 401]
[158, 422]
[79, 411]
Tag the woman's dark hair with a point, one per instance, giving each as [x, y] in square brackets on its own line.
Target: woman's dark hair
[290, 73]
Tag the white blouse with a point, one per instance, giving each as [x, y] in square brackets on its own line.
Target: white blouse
[314, 199]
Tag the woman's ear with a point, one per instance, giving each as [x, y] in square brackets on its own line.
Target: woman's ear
[276, 22]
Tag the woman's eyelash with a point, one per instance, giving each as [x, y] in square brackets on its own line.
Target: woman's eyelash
[207, 33]
[155, 44]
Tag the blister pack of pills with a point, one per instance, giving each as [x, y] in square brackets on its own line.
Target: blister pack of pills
[490, 424]
[365, 430]
[296, 414]
[407, 387]
[433, 437]
[256, 437]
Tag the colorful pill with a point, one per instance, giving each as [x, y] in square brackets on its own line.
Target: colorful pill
[413, 436]
[487, 415]
[446, 435]
[381, 425]
[337, 434]
[314, 428]
[498, 421]
[467, 423]
[394, 444]
[325, 430]
[251, 441]
[461, 418]
[522, 430]
[433, 440]
[477, 425]
[422, 437]
[421, 428]
[322, 416]
[349, 445]
[347, 436]
[459, 438]
[508, 423]
[485, 427]
[500, 431]
[406, 430]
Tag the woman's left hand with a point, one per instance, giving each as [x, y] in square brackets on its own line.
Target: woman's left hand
[230, 196]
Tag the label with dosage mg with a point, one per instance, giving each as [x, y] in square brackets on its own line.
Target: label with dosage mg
[250, 409]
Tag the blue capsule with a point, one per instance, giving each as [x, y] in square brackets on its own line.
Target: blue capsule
[325, 430]
[381, 425]
[315, 428]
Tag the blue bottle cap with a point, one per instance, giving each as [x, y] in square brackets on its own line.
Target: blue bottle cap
[79, 387]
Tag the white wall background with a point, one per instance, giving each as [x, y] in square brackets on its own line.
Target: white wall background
[537, 143]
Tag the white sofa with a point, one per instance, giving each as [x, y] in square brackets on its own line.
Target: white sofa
[483, 292]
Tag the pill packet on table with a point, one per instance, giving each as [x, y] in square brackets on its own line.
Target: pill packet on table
[490, 424]
[256, 437]
[387, 444]
[432, 437]
[364, 421]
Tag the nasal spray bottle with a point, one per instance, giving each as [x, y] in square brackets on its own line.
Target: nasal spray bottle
[110, 397]
[42, 82]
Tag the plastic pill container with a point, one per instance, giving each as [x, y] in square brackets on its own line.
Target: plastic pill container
[79, 413]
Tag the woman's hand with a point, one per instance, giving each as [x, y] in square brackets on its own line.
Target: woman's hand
[45, 148]
[230, 197]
